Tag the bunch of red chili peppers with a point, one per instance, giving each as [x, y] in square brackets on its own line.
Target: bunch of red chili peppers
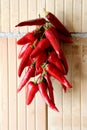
[42, 55]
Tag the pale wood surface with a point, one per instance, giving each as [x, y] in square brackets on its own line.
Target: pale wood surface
[14, 114]
[71, 12]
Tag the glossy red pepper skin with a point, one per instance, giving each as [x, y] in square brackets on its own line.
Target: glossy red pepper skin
[38, 21]
[64, 88]
[40, 59]
[30, 73]
[52, 58]
[42, 89]
[53, 71]
[50, 87]
[31, 90]
[27, 38]
[24, 60]
[42, 45]
[54, 40]
[64, 61]
[64, 38]
[57, 24]
[22, 51]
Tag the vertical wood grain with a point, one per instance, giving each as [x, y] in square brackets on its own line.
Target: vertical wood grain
[32, 11]
[31, 119]
[59, 9]
[55, 119]
[14, 15]
[12, 84]
[41, 5]
[84, 85]
[77, 15]
[21, 99]
[84, 15]
[5, 26]
[50, 5]
[76, 82]
[23, 5]
[4, 88]
[67, 97]
[41, 115]
[32, 6]
[68, 14]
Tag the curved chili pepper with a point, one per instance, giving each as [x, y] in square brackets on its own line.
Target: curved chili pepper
[27, 38]
[24, 60]
[42, 45]
[54, 40]
[22, 51]
[61, 36]
[64, 88]
[42, 89]
[50, 87]
[38, 21]
[40, 59]
[64, 38]
[57, 24]
[31, 90]
[52, 58]
[53, 71]
[30, 73]
[64, 61]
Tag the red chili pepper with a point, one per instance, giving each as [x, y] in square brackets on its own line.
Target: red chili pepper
[57, 24]
[64, 61]
[52, 58]
[30, 61]
[39, 71]
[64, 87]
[54, 40]
[42, 89]
[64, 38]
[53, 71]
[24, 60]
[22, 51]
[38, 21]
[50, 87]
[42, 45]
[27, 38]
[31, 90]
[61, 36]
[40, 59]
[30, 73]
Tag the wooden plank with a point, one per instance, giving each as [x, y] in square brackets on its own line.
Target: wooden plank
[50, 6]
[4, 119]
[76, 82]
[5, 27]
[84, 85]
[14, 15]
[55, 120]
[67, 97]
[68, 15]
[23, 13]
[77, 15]
[31, 116]
[84, 16]
[41, 117]
[21, 100]
[41, 5]
[59, 9]
[32, 11]
[12, 84]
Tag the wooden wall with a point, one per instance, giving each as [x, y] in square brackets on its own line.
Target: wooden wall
[14, 114]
